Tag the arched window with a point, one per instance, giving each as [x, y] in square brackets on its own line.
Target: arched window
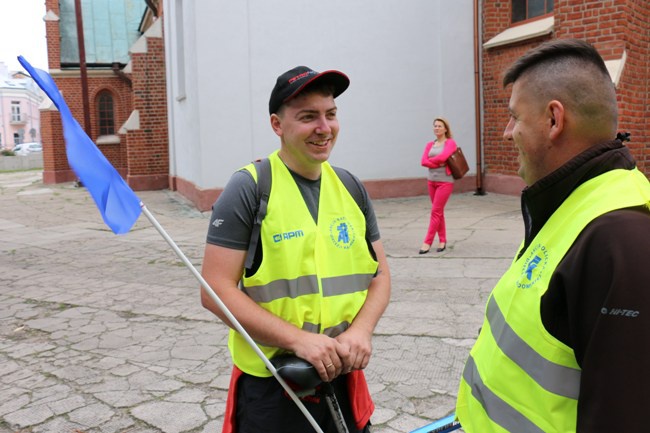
[105, 113]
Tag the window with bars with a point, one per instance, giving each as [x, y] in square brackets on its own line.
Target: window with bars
[526, 9]
[105, 113]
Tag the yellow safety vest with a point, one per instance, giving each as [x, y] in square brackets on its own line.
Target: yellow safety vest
[518, 377]
[315, 276]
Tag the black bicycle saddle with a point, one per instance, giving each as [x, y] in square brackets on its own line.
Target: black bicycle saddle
[297, 371]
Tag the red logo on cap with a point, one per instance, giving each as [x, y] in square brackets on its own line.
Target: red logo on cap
[303, 75]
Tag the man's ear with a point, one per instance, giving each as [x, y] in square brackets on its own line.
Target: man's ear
[555, 113]
[276, 124]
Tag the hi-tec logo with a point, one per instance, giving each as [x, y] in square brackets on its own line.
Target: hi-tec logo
[619, 312]
[279, 237]
[342, 233]
[533, 267]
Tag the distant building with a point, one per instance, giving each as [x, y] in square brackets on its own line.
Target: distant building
[188, 111]
[407, 61]
[20, 120]
[124, 58]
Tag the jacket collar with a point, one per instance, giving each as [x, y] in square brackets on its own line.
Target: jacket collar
[540, 200]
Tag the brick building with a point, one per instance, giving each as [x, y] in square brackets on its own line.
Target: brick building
[203, 150]
[124, 55]
[620, 31]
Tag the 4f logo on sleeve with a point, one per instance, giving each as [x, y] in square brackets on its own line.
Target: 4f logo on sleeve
[342, 233]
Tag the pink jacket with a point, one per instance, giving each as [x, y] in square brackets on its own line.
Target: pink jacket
[441, 159]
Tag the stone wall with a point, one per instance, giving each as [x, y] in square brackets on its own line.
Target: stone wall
[21, 162]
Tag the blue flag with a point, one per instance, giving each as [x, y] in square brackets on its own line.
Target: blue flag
[116, 201]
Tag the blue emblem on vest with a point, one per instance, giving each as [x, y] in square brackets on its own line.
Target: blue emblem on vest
[342, 233]
[533, 267]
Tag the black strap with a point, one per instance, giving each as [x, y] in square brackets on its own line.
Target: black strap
[352, 187]
[263, 168]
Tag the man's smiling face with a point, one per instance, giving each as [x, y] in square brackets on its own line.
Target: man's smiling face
[307, 126]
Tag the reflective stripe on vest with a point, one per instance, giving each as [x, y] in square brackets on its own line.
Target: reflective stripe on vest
[308, 285]
[518, 377]
[313, 275]
[558, 379]
[502, 413]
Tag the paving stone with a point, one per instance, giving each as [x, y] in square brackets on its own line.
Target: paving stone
[30, 416]
[92, 415]
[15, 403]
[164, 416]
[106, 334]
[67, 405]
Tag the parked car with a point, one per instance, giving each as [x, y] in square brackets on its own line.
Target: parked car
[34, 147]
[26, 148]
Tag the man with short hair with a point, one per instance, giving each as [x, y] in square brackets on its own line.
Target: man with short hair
[564, 345]
[320, 280]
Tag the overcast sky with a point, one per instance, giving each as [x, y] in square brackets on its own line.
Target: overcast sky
[22, 32]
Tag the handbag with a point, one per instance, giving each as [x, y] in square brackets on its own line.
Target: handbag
[457, 164]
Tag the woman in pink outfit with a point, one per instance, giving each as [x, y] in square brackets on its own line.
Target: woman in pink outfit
[440, 182]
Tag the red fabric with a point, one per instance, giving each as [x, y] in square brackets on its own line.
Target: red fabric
[358, 392]
[360, 400]
[229, 418]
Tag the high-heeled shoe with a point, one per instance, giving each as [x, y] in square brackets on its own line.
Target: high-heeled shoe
[441, 249]
[424, 251]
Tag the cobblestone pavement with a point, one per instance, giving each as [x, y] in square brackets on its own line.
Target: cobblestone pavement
[102, 333]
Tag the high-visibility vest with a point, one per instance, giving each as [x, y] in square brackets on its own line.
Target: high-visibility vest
[313, 275]
[518, 377]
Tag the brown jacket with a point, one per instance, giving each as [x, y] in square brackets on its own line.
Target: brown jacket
[598, 300]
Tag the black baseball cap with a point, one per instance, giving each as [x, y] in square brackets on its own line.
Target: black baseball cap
[294, 81]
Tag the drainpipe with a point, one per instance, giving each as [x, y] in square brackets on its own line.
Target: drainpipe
[117, 71]
[82, 67]
[153, 6]
[477, 101]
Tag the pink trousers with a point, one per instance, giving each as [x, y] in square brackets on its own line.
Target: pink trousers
[439, 193]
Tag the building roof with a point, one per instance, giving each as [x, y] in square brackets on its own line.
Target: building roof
[15, 81]
[110, 28]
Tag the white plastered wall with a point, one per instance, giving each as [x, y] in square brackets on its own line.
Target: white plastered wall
[408, 61]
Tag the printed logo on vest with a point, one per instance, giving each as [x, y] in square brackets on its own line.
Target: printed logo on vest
[533, 267]
[279, 237]
[342, 233]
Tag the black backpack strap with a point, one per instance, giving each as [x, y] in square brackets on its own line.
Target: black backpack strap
[263, 168]
[352, 186]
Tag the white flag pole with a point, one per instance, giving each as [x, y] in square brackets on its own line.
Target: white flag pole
[230, 317]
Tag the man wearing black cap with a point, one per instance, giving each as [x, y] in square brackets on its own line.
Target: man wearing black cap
[317, 280]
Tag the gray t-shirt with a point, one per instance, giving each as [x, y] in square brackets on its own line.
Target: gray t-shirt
[232, 217]
[438, 174]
